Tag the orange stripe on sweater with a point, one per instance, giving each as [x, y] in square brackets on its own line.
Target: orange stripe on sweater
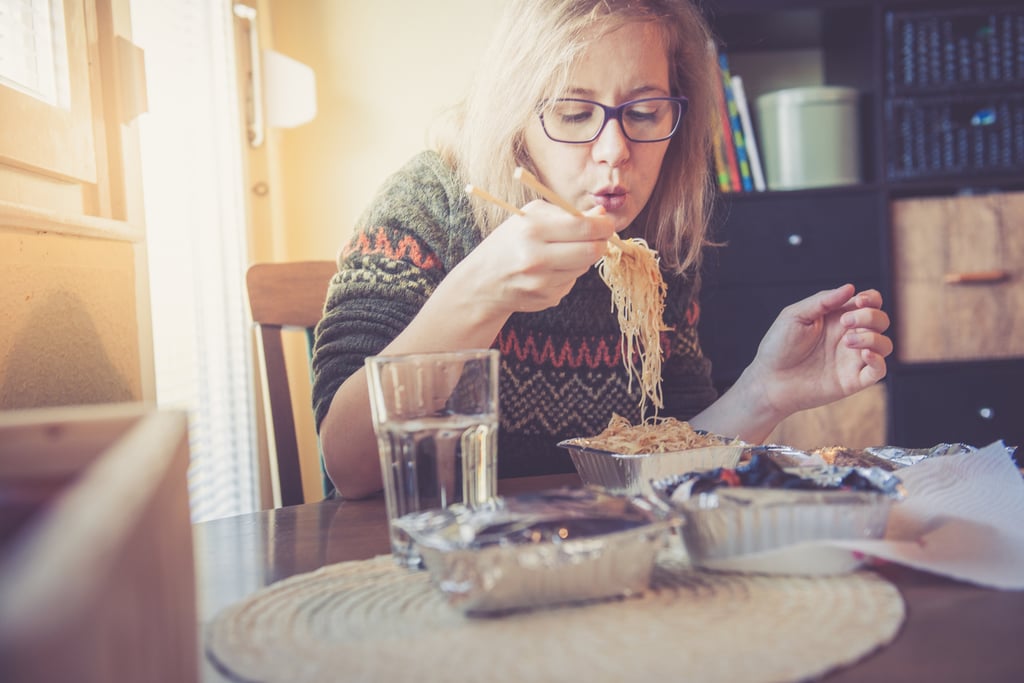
[407, 249]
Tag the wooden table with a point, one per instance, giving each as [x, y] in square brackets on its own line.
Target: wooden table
[953, 632]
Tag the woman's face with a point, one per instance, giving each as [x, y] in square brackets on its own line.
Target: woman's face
[627, 64]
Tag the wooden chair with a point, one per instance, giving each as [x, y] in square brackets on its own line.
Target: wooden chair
[284, 296]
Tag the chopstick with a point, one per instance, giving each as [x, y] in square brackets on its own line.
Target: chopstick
[488, 197]
[531, 181]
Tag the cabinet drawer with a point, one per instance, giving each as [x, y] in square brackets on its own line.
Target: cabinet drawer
[975, 404]
[828, 238]
[957, 269]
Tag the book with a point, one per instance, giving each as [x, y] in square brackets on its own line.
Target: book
[721, 165]
[736, 128]
[728, 140]
[753, 153]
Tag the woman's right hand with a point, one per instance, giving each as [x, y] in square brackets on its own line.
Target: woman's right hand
[531, 261]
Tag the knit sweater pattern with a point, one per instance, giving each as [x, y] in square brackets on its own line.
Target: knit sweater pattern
[562, 374]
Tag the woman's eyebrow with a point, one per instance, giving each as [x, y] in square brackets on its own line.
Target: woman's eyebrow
[636, 92]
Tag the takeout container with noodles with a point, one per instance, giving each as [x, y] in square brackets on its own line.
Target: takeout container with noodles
[625, 458]
[540, 549]
[760, 517]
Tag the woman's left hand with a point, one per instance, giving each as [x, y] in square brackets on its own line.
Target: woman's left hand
[823, 348]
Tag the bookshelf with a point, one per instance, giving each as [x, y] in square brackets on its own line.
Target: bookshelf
[940, 116]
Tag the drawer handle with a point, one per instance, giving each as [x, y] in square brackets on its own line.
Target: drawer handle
[979, 276]
[986, 413]
[795, 240]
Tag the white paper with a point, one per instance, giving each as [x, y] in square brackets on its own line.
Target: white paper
[962, 517]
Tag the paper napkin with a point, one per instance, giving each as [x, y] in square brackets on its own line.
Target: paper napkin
[963, 517]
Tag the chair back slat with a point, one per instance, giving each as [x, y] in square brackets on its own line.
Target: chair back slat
[283, 296]
[289, 294]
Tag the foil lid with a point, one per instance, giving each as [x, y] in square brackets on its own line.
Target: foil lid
[905, 457]
[553, 516]
[886, 457]
[540, 549]
[763, 481]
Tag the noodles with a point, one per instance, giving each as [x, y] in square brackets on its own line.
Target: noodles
[631, 271]
[651, 436]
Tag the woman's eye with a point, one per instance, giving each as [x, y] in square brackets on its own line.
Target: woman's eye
[642, 115]
[573, 116]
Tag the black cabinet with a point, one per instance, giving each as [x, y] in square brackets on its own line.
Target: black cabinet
[777, 249]
[974, 403]
[920, 136]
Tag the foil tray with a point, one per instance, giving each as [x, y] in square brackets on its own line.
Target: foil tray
[632, 474]
[540, 549]
[774, 530]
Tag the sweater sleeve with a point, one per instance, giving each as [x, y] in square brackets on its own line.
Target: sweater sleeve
[404, 244]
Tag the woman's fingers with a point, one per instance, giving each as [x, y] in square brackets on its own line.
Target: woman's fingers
[874, 369]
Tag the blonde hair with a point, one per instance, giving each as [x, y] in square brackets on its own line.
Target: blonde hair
[537, 43]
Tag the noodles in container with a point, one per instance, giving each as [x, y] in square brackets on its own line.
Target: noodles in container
[540, 549]
[624, 458]
[761, 517]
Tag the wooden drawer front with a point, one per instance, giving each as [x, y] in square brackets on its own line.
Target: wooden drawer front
[974, 404]
[829, 239]
[973, 238]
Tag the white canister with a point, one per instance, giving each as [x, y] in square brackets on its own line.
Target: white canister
[810, 137]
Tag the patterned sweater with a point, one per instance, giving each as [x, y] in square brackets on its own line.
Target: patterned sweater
[561, 370]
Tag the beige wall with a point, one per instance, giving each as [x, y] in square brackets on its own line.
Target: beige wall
[384, 70]
[69, 327]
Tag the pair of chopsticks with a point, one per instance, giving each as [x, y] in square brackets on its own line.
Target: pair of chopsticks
[531, 181]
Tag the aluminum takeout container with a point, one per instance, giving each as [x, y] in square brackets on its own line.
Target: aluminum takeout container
[780, 530]
[632, 474]
[540, 549]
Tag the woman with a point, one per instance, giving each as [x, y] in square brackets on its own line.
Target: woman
[610, 104]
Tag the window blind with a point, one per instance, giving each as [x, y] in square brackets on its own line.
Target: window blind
[195, 214]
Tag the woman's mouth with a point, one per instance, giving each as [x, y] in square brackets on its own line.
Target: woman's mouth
[611, 200]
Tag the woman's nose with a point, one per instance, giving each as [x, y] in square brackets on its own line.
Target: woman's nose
[611, 146]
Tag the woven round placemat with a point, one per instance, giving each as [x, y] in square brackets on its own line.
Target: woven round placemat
[372, 621]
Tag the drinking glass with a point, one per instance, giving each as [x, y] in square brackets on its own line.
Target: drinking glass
[436, 420]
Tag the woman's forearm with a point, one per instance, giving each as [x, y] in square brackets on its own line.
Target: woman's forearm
[451, 319]
[743, 412]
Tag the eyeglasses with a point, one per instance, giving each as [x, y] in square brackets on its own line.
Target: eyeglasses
[651, 119]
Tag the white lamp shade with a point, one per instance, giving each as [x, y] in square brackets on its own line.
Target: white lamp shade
[289, 94]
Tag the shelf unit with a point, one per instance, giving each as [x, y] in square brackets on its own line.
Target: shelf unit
[783, 245]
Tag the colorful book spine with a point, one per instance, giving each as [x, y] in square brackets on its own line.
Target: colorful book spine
[721, 164]
[735, 127]
[728, 141]
[753, 153]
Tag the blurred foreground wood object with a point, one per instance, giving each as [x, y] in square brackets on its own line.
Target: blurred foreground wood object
[97, 580]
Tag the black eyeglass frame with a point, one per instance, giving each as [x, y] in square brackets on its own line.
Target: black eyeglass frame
[616, 114]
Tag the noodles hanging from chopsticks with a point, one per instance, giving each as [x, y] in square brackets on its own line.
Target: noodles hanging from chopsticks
[631, 271]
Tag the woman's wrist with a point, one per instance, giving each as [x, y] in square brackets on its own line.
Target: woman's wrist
[471, 316]
[743, 411]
